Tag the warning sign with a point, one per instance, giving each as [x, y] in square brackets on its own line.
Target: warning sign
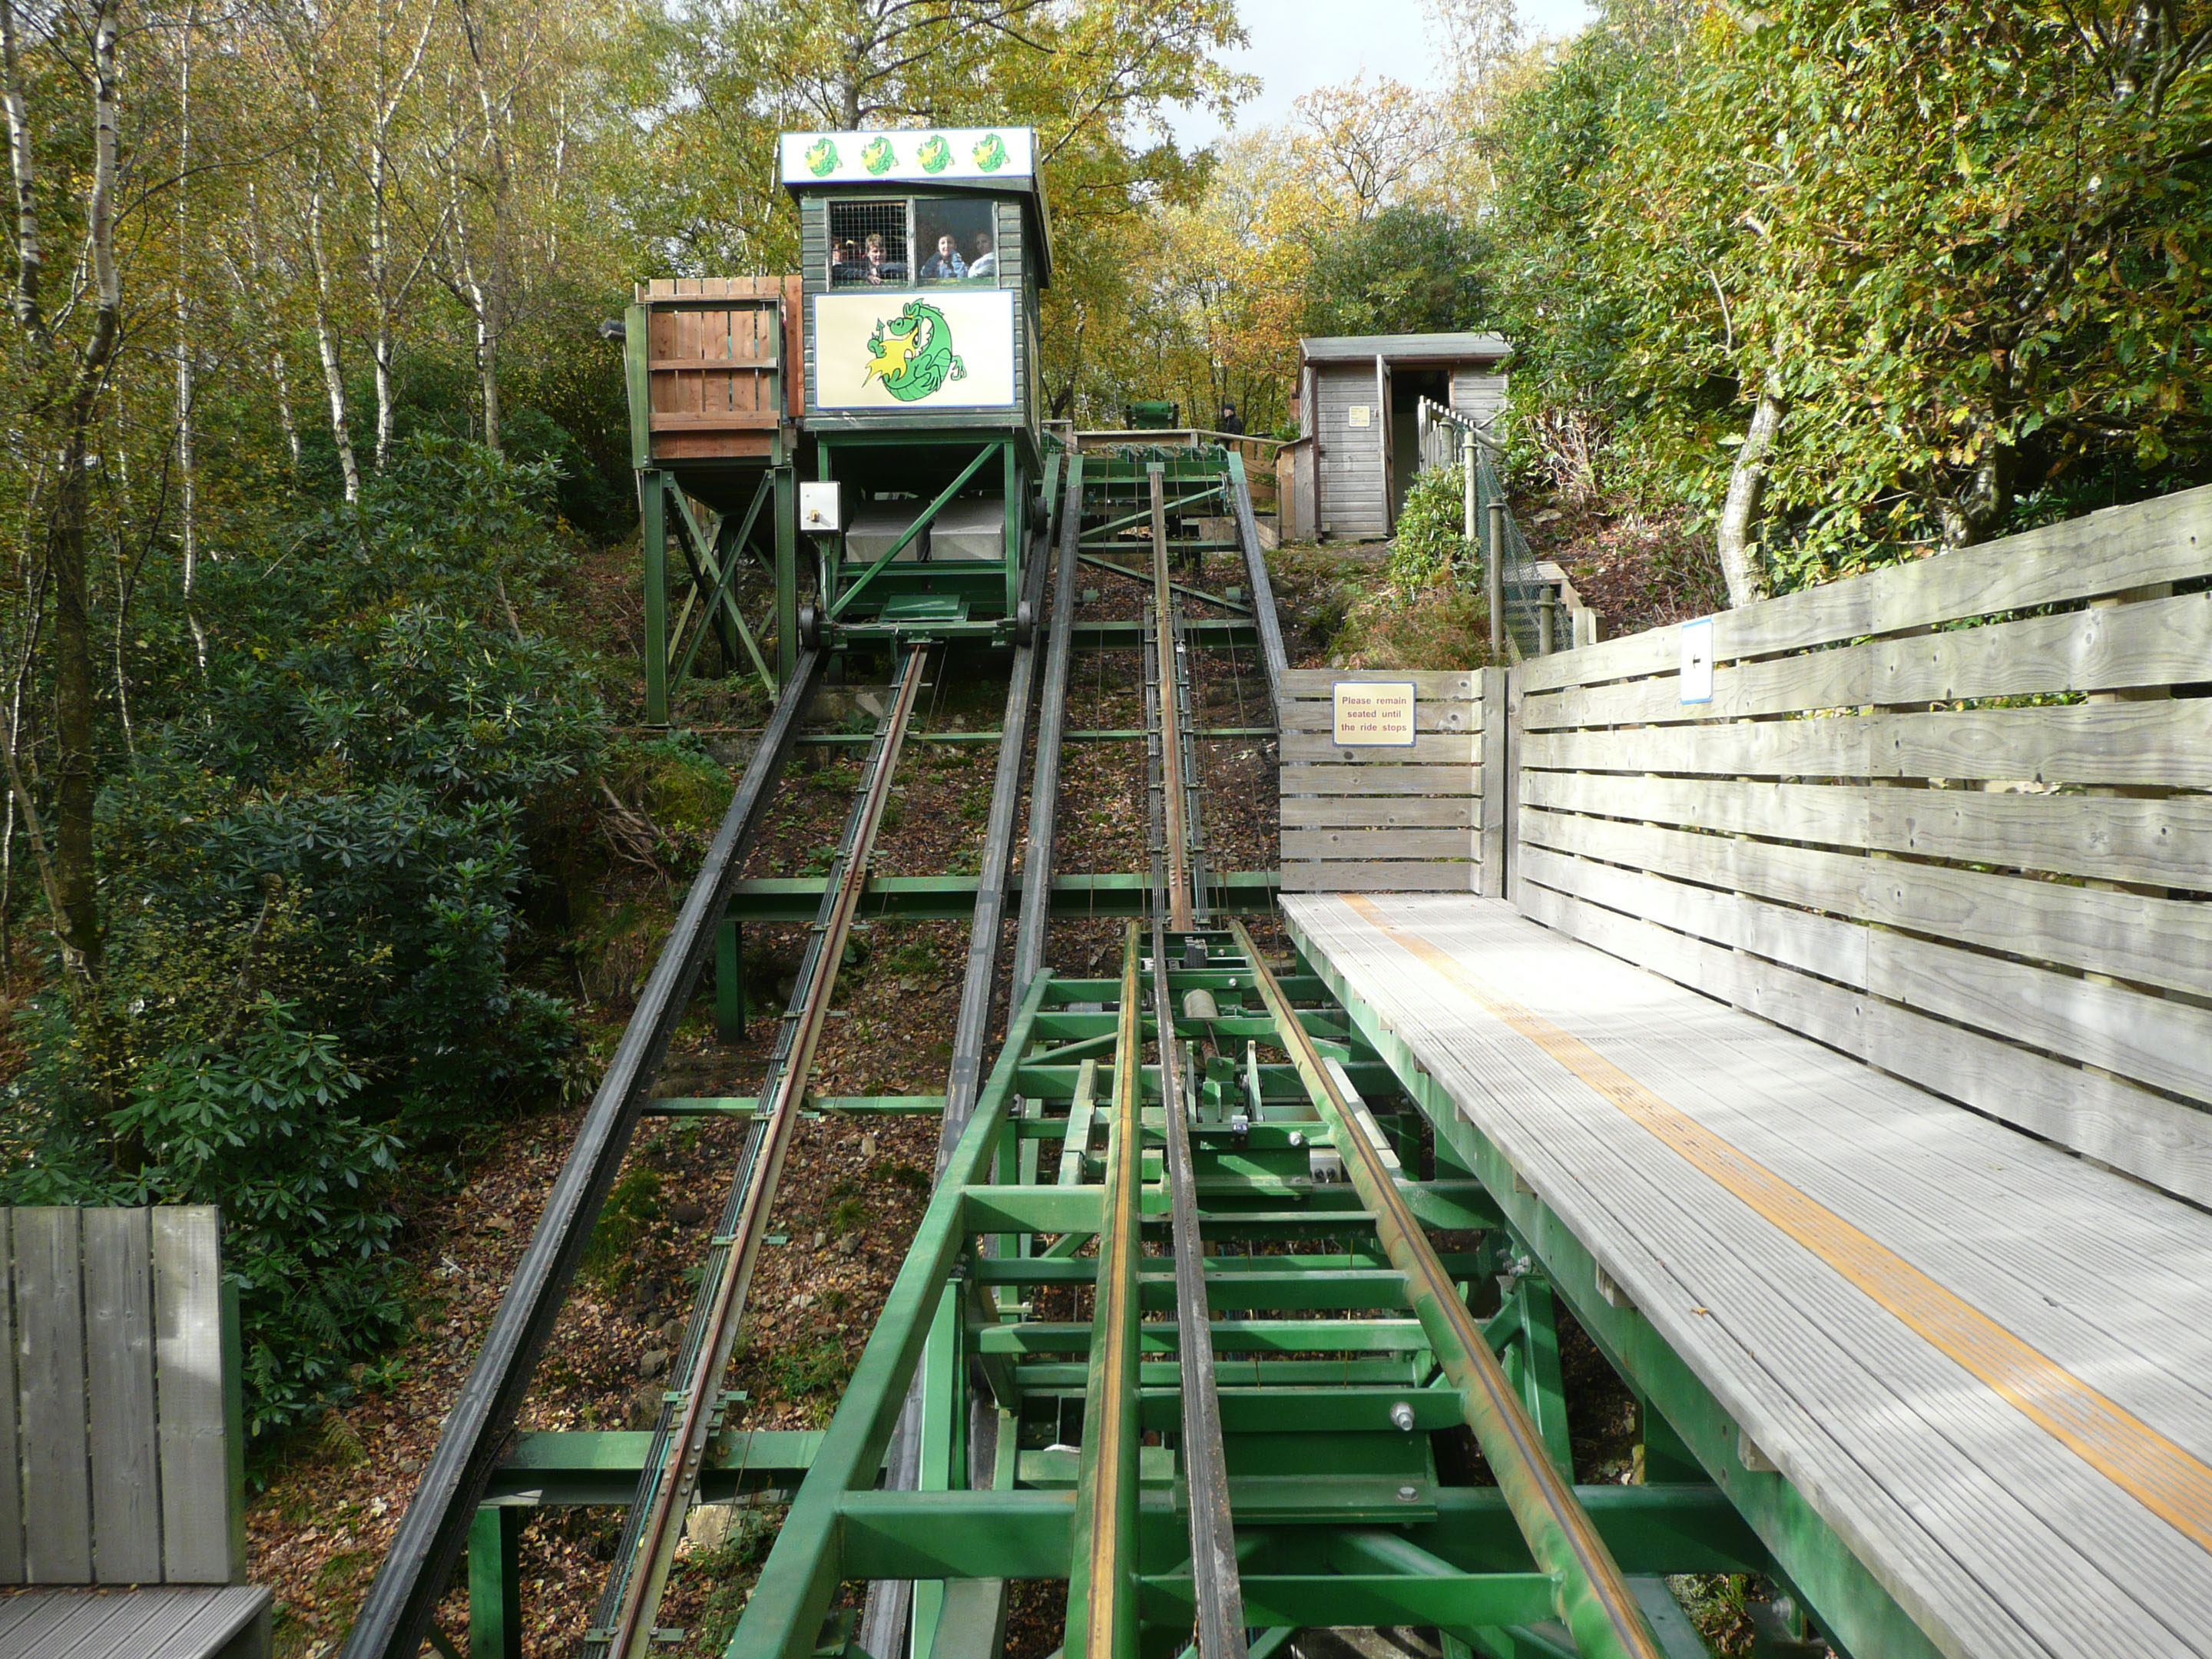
[1376, 714]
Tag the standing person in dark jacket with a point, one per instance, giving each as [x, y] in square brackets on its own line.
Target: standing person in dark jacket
[1231, 421]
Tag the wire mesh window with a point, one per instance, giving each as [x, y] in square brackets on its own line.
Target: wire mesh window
[868, 243]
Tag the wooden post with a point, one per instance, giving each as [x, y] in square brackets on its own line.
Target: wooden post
[1471, 526]
[1493, 785]
[1494, 580]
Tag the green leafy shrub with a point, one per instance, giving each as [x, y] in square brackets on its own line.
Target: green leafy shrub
[1429, 547]
[313, 874]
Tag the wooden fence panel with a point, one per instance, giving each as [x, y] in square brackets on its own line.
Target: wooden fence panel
[11, 1441]
[1969, 847]
[118, 1305]
[201, 1519]
[119, 1407]
[1389, 817]
[50, 1359]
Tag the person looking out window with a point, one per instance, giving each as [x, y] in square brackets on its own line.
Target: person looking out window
[948, 266]
[986, 262]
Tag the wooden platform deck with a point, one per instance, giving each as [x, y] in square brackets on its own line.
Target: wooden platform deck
[1985, 1363]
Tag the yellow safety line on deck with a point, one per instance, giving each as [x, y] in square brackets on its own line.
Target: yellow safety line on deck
[2165, 1478]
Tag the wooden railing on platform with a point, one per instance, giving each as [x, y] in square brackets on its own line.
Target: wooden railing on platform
[119, 1431]
[1949, 817]
[1367, 819]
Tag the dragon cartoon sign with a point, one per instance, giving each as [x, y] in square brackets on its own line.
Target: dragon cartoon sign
[917, 156]
[890, 349]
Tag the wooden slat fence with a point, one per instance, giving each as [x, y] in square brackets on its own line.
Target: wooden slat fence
[1393, 819]
[119, 1435]
[1950, 817]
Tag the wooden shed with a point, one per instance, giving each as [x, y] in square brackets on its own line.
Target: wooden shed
[1356, 398]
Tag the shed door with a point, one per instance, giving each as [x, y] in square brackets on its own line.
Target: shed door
[1386, 446]
[1347, 419]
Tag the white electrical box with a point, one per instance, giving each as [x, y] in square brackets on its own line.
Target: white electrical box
[821, 505]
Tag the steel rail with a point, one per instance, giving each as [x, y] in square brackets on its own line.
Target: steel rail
[1219, 1591]
[885, 1620]
[664, 1488]
[1594, 1599]
[1102, 1586]
[1271, 658]
[805, 1567]
[1052, 722]
[1173, 804]
[396, 1614]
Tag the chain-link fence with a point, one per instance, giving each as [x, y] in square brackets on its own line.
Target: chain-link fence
[1525, 603]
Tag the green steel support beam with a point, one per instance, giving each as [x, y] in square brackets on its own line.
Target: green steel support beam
[593, 1468]
[1854, 1611]
[1030, 1533]
[741, 1107]
[729, 982]
[1203, 634]
[795, 898]
[1145, 513]
[1198, 593]
[1543, 1389]
[786, 571]
[652, 533]
[495, 1584]
[715, 564]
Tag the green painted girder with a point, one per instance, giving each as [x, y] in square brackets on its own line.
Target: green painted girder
[1219, 1269]
[1045, 1377]
[1203, 634]
[1367, 1599]
[1321, 1408]
[1057, 1083]
[1852, 1609]
[812, 1106]
[600, 1466]
[1313, 1290]
[1230, 1336]
[1029, 1534]
[796, 898]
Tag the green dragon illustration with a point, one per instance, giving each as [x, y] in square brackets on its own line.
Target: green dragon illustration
[822, 158]
[879, 155]
[912, 353]
[991, 153]
[935, 153]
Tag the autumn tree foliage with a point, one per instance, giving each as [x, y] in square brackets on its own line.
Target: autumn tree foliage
[1863, 277]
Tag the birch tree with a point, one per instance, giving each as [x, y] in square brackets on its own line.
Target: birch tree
[66, 337]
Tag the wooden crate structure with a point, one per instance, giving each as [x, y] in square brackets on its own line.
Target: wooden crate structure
[1395, 819]
[709, 379]
[118, 1403]
[1950, 818]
